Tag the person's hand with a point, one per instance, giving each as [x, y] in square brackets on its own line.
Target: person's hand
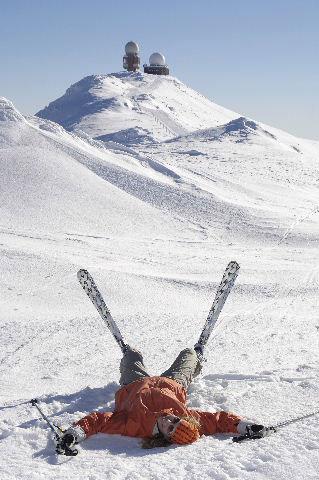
[252, 431]
[259, 431]
[65, 445]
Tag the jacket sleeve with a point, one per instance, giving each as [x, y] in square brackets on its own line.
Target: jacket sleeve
[218, 422]
[96, 422]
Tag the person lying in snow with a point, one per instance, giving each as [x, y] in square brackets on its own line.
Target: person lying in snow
[154, 408]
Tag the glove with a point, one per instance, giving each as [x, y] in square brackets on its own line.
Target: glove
[258, 431]
[252, 431]
[65, 445]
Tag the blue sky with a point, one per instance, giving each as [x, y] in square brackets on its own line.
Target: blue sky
[256, 57]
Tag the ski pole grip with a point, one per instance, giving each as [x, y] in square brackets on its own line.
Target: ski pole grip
[33, 402]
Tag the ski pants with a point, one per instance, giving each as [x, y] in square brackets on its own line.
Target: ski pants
[183, 370]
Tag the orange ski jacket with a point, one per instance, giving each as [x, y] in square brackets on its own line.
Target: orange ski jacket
[139, 404]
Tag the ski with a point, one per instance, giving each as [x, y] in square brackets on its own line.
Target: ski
[222, 293]
[96, 298]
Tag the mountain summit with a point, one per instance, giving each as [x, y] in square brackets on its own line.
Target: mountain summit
[8, 113]
[134, 108]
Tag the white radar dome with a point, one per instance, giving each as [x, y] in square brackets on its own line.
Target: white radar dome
[131, 47]
[157, 59]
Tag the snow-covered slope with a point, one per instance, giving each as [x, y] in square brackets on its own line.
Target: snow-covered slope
[102, 105]
[156, 223]
[54, 193]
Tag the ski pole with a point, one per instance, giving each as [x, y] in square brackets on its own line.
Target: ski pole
[298, 419]
[55, 429]
[58, 432]
[274, 428]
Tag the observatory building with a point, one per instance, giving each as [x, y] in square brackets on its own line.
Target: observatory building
[131, 59]
[157, 65]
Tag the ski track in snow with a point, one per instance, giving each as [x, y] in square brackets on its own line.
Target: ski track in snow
[156, 224]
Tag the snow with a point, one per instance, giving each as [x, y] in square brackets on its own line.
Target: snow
[155, 219]
[120, 104]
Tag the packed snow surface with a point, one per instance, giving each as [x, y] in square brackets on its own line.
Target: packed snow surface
[155, 209]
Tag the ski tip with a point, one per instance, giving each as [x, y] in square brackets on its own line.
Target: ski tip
[82, 272]
[235, 264]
